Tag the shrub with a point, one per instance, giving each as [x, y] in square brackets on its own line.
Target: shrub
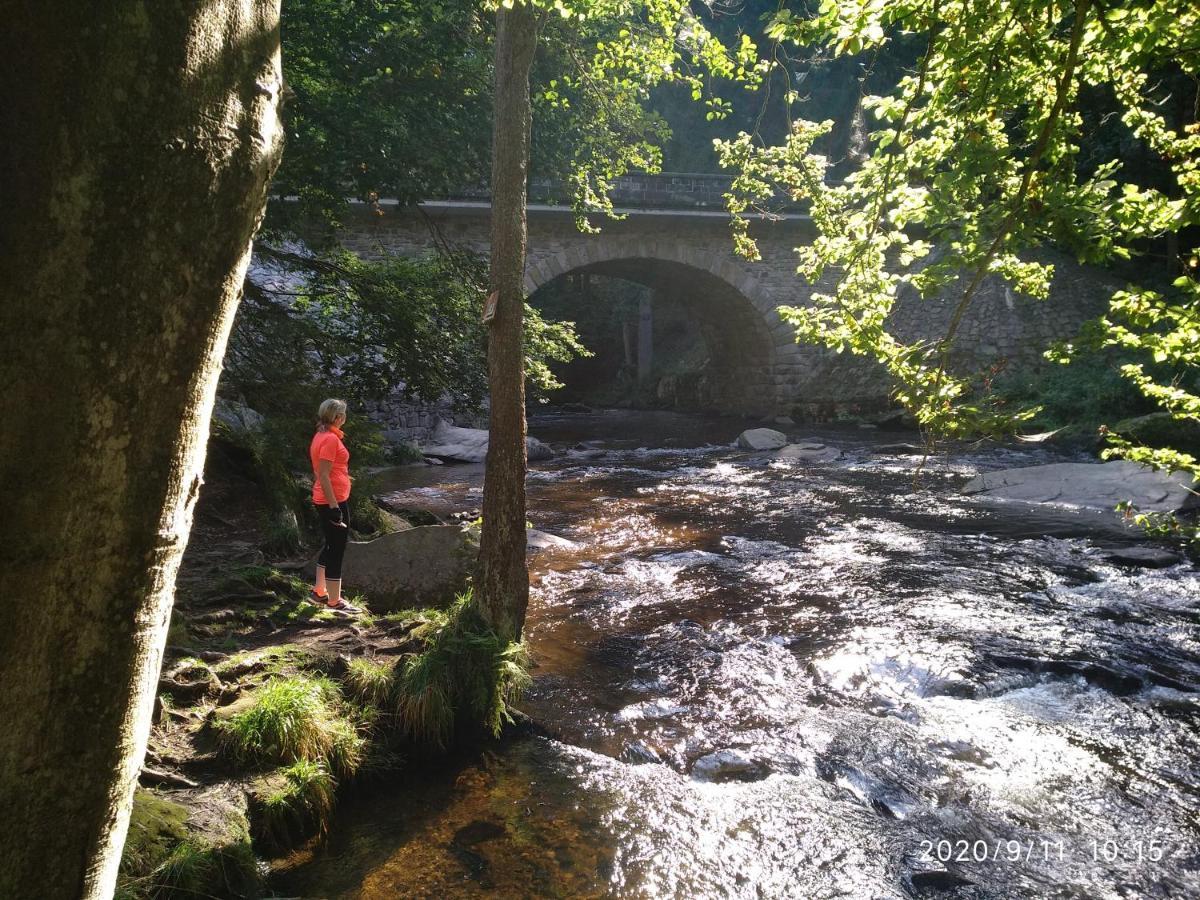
[466, 677]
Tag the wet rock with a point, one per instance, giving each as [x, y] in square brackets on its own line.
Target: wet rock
[1145, 557]
[471, 444]
[809, 453]
[540, 540]
[938, 880]
[640, 753]
[728, 765]
[478, 832]
[761, 439]
[425, 566]
[650, 709]
[1091, 485]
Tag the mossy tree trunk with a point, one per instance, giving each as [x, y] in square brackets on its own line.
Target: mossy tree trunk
[139, 139]
[504, 578]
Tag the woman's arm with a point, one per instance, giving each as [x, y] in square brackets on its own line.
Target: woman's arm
[324, 467]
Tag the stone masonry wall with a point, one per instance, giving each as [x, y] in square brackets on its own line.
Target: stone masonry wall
[774, 374]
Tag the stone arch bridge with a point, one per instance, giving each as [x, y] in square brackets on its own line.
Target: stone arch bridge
[675, 240]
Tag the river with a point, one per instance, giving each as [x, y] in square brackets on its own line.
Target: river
[765, 679]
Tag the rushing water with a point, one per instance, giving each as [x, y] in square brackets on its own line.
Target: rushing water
[768, 679]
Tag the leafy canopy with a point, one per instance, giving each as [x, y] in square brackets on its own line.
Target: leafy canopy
[979, 152]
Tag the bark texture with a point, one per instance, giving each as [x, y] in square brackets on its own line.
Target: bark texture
[138, 142]
[504, 578]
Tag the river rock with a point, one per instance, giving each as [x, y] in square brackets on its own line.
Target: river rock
[471, 444]
[1092, 485]
[424, 566]
[761, 439]
[726, 765]
[540, 540]
[809, 453]
[1146, 557]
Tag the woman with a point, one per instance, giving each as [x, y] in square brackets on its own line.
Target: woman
[331, 494]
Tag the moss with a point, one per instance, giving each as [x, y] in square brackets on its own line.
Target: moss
[155, 826]
[293, 719]
[465, 678]
[164, 858]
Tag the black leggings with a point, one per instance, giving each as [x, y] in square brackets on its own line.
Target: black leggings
[335, 540]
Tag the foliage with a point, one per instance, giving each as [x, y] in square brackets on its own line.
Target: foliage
[1163, 525]
[612, 54]
[466, 677]
[293, 719]
[387, 98]
[1087, 393]
[981, 151]
[362, 328]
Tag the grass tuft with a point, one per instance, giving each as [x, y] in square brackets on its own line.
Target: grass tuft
[370, 682]
[466, 677]
[302, 804]
[294, 719]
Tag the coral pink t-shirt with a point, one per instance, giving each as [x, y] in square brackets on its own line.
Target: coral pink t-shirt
[327, 445]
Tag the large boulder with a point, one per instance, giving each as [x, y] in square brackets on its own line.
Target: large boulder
[236, 419]
[1092, 485]
[761, 439]
[425, 566]
[471, 444]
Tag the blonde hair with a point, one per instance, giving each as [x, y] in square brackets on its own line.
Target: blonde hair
[328, 413]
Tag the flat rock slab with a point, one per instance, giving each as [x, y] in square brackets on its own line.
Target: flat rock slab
[1090, 485]
[471, 444]
[809, 453]
[761, 439]
[1144, 557]
[424, 566]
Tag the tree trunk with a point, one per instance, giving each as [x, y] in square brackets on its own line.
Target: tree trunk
[504, 578]
[138, 142]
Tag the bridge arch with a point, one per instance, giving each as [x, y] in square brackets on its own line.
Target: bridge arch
[736, 318]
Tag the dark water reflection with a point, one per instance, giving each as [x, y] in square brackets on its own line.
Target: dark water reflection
[767, 679]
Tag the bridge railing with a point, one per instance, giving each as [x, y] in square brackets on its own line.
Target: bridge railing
[667, 190]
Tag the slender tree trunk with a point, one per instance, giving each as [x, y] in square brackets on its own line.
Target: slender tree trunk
[645, 360]
[504, 578]
[138, 142]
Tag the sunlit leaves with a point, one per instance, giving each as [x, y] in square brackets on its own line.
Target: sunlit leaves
[976, 158]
